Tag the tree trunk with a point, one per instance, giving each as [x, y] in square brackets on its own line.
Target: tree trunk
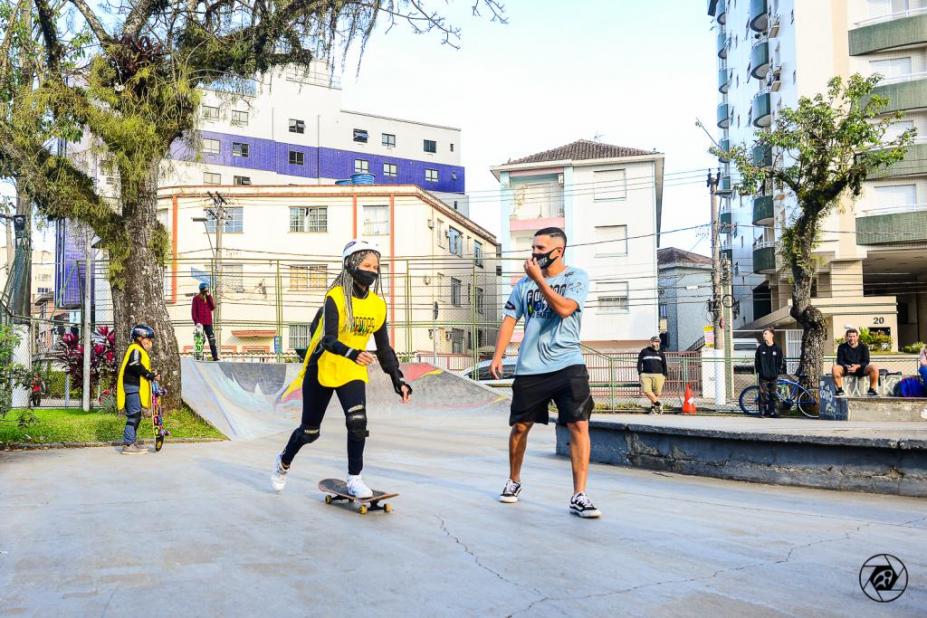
[813, 327]
[139, 297]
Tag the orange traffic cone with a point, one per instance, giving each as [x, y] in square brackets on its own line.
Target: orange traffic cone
[688, 404]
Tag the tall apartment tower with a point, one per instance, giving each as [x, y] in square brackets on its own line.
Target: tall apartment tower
[872, 258]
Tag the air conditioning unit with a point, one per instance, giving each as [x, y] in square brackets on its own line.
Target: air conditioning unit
[560, 179]
[431, 224]
[773, 25]
[774, 79]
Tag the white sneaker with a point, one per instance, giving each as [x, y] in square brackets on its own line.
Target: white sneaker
[278, 478]
[510, 492]
[357, 487]
[581, 505]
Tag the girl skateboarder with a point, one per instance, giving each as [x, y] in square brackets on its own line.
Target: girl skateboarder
[336, 362]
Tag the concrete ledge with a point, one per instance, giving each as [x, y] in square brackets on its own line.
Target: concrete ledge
[894, 409]
[883, 461]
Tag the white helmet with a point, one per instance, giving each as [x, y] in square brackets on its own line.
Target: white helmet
[356, 246]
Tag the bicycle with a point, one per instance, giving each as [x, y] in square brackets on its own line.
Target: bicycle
[788, 393]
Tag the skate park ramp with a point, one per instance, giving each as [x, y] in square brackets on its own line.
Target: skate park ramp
[252, 400]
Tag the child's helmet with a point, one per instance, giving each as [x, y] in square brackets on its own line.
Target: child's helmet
[142, 330]
[356, 246]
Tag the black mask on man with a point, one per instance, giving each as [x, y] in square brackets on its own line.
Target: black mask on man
[543, 259]
[365, 278]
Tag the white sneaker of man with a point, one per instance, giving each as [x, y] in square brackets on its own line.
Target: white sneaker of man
[357, 487]
[278, 478]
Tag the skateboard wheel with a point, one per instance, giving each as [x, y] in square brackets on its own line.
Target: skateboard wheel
[388, 508]
[328, 499]
[363, 509]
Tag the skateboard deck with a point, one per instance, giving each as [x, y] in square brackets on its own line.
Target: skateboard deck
[336, 490]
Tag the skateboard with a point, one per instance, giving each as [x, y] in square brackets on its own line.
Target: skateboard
[335, 490]
[199, 340]
[157, 416]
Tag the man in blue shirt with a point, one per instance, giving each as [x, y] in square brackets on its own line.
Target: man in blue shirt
[550, 362]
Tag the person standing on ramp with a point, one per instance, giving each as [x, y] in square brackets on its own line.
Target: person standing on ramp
[336, 362]
[550, 362]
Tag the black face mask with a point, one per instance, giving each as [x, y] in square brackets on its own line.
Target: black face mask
[365, 278]
[543, 259]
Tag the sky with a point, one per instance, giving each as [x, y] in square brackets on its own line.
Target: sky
[625, 72]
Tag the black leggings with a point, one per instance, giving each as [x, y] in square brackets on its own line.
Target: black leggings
[315, 402]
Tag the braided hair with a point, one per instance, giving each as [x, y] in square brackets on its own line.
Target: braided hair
[346, 281]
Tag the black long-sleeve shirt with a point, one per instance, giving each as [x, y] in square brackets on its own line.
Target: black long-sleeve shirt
[135, 370]
[847, 356]
[330, 343]
[651, 361]
[769, 362]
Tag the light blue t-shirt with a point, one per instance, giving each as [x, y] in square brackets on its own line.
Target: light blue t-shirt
[551, 343]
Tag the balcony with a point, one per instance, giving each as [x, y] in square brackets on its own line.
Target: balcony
[724, 80]
[894, 31]
[759, 59]
[725, 145]
[890, 226]
[727, 253]
[762, 110]
[764, 257]
[908, 92]
[535, 205]
[722, 45]
[725, 185]
[724, 116]
[721, 12]
[763, 210]
[762, 155]
[759, 15]
[725, 218]
[913, 164]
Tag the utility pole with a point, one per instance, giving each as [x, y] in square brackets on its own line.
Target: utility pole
[727, 304]
[85, 327]
[219, 213]
[716, 290]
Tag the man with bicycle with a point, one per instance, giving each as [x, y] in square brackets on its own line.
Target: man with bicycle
[768, 363]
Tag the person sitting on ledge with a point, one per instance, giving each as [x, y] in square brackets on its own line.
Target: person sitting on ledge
[853, 360]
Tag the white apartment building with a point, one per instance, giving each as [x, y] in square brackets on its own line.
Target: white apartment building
[608, 199]
[281, 248]
[872, 253]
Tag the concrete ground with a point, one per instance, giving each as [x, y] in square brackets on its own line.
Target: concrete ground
[196, 530]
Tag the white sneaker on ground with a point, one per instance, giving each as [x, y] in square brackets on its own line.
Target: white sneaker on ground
[510, 492]
[357, 487]
[581, 505]
[278, 478]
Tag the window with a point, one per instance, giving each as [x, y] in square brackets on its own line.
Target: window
[611, 240]
[209, 178]
[895, 129]
[297, 126]
[431, 145]
[663, 310]
[441, 234]
[609, 185]
[457, 339]
[389, 140]
[308, 276]
[311, 219]
[431, 175]
[296, 157]
[232, 277]
[880, 8]
[455, 292]
[240, 149]
[376, 220]
[452, 146]
[299, 336]
[616, 298]
[234, 221]
[360, 135]
[478, 300]
[390, 170]
[478, 253]
[210, 113]
[895, 196]
[455, 241]
[210, 146]
[361, 166]
[239, 118]
[892, 68]
[242, 180]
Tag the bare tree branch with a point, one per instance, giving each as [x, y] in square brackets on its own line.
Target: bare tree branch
[92, 21]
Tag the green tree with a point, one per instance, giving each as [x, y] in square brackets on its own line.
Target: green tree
[124, 81]
[823, 151]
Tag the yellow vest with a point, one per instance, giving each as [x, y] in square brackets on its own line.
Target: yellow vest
[369, 315]
[144, 387]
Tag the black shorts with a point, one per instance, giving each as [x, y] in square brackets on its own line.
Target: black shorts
[568, 388]
[859, 373]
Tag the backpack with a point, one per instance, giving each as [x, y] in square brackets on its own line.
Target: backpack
[910, 387]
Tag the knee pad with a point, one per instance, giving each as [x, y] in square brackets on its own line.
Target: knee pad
[356, 421]
[308, 434]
